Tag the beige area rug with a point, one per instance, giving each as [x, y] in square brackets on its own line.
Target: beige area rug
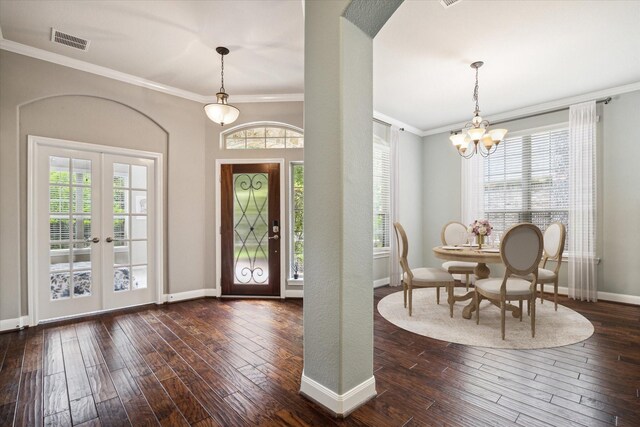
[553, 328]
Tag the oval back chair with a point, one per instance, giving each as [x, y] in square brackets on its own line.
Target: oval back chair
[520, 251]
[420, 277]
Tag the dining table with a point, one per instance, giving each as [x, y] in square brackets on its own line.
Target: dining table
[482, 257]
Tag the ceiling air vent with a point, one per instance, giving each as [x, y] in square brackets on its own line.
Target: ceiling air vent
[448, 3]
[69, 40]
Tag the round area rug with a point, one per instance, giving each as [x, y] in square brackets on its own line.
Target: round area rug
[553, 328]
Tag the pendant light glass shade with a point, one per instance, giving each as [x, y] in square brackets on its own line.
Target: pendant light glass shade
[221, 112]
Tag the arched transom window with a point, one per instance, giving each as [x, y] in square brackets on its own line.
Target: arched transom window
[262, 137]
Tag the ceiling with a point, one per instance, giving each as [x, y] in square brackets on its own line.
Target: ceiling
[173, 42]
[534, 52]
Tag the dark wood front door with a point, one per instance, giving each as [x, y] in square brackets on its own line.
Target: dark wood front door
[251, 229]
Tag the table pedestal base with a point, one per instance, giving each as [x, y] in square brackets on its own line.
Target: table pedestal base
[471, 307]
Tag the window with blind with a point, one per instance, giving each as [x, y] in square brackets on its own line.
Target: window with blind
[381, 186]
[527, 180]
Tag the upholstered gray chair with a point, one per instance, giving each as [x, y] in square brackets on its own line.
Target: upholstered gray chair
[521, 250]
[454, 234]
[421, 277]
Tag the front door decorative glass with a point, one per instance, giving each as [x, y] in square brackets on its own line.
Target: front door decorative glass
[251, 228]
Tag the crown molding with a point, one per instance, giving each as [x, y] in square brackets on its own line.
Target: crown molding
[77, 64]
[542, 108]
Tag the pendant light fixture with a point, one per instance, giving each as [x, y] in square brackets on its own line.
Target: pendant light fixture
[220, 111]
[477, 130]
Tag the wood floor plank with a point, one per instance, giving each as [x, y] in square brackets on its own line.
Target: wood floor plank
[101, 383]
[61, 419]
[160, 402]
[55, 394]
[112, 413]
[29, 408]
[238, 362]
[77, 380]
[83, 410]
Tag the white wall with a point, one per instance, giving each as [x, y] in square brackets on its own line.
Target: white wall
[618, 191]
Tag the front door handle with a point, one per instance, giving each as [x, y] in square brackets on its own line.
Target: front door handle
[109, 239]
[274, 237]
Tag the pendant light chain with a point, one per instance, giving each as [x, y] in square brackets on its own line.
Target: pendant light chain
[222, 73]
[475, 93]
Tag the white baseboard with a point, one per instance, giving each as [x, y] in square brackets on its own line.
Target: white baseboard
[198, 293]
[294, 293]
[381, 282]
[604, 296]
[338, 404]
[17, 323]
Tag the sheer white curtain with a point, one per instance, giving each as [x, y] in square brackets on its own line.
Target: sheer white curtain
[394, 259]
[582, 202]
[472, 179]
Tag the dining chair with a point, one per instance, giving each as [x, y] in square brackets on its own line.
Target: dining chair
[454, 234]
[425, 277]
[520, 251]
[554, 237]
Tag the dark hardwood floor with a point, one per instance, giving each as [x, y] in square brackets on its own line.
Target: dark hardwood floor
[238, 362]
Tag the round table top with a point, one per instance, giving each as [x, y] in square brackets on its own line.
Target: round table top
[469, 254]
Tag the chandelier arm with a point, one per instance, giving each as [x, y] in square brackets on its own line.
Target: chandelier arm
[470, 155]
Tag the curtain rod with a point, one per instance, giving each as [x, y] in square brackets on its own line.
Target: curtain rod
[384, 123]
[599, 101]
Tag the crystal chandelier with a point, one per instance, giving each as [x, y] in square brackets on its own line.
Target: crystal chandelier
[485, 141]
[220, 111]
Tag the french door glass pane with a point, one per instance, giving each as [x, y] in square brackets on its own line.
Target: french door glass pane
[139, 227]
[139, 177]
[82, 283]
[139, 277]
[250, 218]
[69, 227]
[121, 279]
[129, 222]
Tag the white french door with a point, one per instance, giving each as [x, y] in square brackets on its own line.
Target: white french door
[93, 219]
[128, 270]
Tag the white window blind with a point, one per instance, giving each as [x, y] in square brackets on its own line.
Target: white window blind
[527, 180]
[381, 186]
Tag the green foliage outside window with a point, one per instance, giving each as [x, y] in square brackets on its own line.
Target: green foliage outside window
[297, 172]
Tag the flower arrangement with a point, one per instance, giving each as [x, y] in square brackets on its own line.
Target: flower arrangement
[480, 227]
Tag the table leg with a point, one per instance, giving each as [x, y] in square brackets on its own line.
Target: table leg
[482, 272]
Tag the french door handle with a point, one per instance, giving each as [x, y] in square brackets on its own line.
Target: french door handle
[94, 240]
[274, 237]
[109, 239]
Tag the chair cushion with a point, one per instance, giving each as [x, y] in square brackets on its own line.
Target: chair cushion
[515, 286]
[546, 275]
[430, 275]
[459, 264]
